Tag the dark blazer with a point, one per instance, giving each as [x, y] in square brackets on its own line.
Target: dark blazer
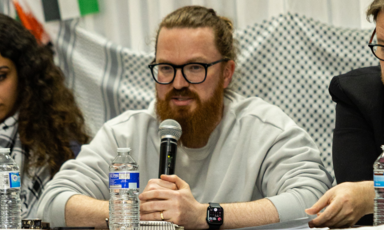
[359, 129]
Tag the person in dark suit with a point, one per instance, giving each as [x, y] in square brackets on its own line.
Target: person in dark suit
[357, 138]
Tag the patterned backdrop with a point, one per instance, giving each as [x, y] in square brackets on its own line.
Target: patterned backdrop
[288, 61]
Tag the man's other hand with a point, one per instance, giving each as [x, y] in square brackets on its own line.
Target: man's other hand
[159, 184]
[173, 197]
[345, 204]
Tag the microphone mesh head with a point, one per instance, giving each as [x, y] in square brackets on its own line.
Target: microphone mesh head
[170, 127]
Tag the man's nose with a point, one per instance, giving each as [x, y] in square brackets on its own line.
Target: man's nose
[179, 82]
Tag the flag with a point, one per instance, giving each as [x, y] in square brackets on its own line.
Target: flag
[29, 22]
[66, 9]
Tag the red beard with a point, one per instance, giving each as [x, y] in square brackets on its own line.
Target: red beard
[196, 125]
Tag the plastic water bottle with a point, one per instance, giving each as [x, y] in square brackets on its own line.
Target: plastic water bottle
[124, 207]
[378, 178]
[10, 204]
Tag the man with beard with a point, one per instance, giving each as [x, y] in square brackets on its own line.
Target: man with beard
[244, 154]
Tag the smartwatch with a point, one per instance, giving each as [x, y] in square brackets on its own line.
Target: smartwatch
[215, 215]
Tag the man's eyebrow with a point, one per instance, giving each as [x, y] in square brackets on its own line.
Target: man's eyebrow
[199, 59]
[161, 61]
[4, 67]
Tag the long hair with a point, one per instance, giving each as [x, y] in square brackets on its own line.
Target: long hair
[49, 119]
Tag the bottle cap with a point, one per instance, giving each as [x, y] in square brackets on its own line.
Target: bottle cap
[5, 150]
[123, 150]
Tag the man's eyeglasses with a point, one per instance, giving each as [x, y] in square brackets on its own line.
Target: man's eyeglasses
[377, 50]
[193, 73]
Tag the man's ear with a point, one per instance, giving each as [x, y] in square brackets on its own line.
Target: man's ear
[229, 70]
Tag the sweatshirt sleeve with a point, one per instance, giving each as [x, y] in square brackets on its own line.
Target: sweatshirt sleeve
[87, 175]
[294, 177]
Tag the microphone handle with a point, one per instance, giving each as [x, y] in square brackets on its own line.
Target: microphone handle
[168, 149]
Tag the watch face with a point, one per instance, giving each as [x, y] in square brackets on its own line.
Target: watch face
[215, 215]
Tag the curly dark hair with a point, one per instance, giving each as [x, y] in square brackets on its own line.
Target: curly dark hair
[49, 118]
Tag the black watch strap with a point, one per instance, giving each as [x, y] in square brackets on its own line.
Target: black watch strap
[212, 226]
[215, 225]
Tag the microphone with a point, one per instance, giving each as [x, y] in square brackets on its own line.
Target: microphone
[170, 132]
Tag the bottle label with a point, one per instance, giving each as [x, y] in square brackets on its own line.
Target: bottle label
[378, 181]
[124, 180]
[9, 180]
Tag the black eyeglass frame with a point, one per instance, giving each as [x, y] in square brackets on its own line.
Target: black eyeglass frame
[373, 46]
[175, 67]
